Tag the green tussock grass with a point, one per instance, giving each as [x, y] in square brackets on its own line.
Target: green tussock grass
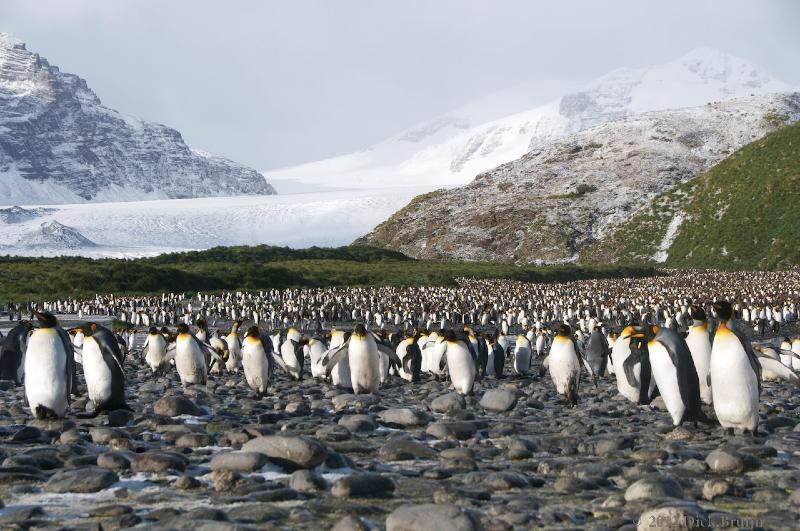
[257, 268]
[744, 213]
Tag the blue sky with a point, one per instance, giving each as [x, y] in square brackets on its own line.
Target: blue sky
[272, 84]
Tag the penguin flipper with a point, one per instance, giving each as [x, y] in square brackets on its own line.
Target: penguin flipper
[751, 355]
[71, 375]
[389, 352]
[628, 366]
[335, 357]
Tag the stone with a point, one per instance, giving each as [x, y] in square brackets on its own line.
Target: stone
[289, 451]
[89, 479]
[119, 417]
[175, 405]
[358, 423]
[239, 461]
[114, 460]
[27, 434]
[155, 461]
[654, 487]
[351, 523]
[362, 484]
[432, 517]
[673, 516]
[403, 418]
[194, 440]
[714, 488]
[307, 481]
[498, 400]
[457, 430]
[449, 403]
[725, 462]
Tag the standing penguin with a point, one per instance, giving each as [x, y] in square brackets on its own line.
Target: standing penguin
[48, 368]
[257, 360]
[699, 342]
[522, 355]
[12, 352]
[154, 351]
[362, 352]
[105, 377]
[734, 374]
[674, 373]
[564, 363]
[190, 357]
[316, 351]
[461, 363]
[234, 348]
[292, 354]
[340, 375]
[410, 358]
[597, 351]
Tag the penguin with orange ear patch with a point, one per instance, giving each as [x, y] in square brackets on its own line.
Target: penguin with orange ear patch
[734, 375]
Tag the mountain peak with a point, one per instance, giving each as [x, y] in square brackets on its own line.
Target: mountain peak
[60, 144]
[9, 41]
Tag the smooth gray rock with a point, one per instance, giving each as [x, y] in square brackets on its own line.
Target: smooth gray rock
[654, 487]
[403, 418]
[239, 461]
[432, 517]
[289, 451]
[89, 479]
[449, 403]
[498, 400]
[175, 405]
[362, 484]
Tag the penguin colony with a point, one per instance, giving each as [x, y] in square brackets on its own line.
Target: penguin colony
[680, 337]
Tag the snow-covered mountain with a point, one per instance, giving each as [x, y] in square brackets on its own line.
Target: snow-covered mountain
[59, 144]
[452, 149]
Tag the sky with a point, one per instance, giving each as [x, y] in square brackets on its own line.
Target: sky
[272, 84]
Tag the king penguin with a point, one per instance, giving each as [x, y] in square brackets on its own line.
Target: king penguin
[257, 360]
[105, 377]
[154, 351]
[734, 374]
[522, 355]
[699, 342]
[674, 373]
[461, 363]
[234, 348]
[564, 364]
[48, 368]
[190, 357]
[12, 352]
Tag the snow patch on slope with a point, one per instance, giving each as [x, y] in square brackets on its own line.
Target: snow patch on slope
[662, 254]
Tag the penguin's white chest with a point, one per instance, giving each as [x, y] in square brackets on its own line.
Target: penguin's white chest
[461, 368]
[256, 365]
[563, 364]
[700, 346]
[522, 359]
[622, 350]
[46, 371]
[666, 377]
[734, 385]
[156, 351]
[364, 364]
[190, 361]
[96, 372]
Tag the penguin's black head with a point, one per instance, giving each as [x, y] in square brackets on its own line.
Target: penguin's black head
[697, 313]
[164, 330]
[723, 309]
[182, 328]
[87, 329]
[564, 330]
[29, 326]
[153, 330]
[253, 331]
[46, 320]
[201, 324]
[646, 332]
[359, 330]
[449, 335]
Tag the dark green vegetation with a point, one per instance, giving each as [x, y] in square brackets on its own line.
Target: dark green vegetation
[743, 213]
[253, 268]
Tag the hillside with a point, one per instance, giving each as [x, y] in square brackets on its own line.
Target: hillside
[256, 268]
[60, 144]
[743, 213]
[558, 199]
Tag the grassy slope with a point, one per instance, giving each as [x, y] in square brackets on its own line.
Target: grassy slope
[253, 268]
[743, 213]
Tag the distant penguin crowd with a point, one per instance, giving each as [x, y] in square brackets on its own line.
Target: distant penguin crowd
[704, 341]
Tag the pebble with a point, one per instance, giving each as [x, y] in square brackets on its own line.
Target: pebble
[290, 451]
[430, 517]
